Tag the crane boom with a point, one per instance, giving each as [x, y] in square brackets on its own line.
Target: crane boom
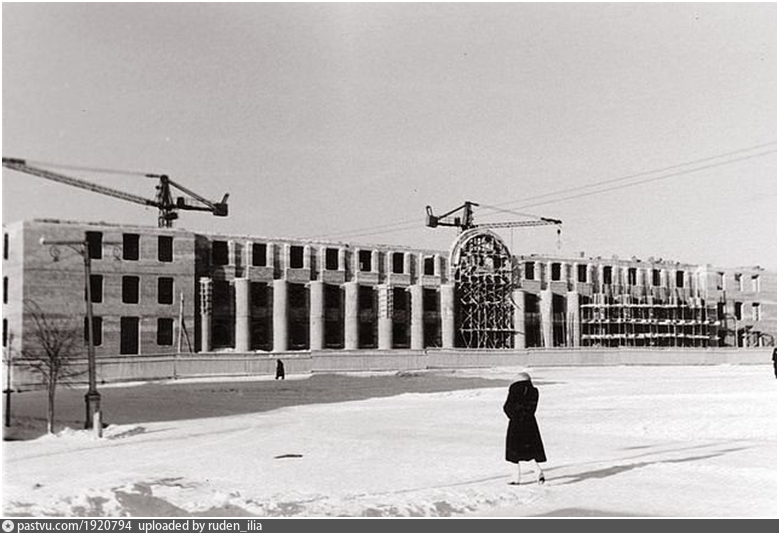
[20, 165]
[465, 221]
[164, 200]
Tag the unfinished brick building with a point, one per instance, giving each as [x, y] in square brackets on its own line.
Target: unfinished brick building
[158, 291]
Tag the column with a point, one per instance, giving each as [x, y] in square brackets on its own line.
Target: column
[280, 320]
[342, 259]
[269, 255]
[549, 273]
[248, 253]
[386, 308]
[447, 315]
[351, 316]
[574, 318]
[407, 263]
[537, 273]
[317, 315]
[519, 319]
[307, 257]
[243, 318]
[417, 317]
[547, 331]
[205, 314]
[374, 261]
[231, 252]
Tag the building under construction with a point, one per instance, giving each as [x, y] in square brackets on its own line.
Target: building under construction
[164, 290]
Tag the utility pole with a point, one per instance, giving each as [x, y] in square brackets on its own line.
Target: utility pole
[92, 398]
[8, 391]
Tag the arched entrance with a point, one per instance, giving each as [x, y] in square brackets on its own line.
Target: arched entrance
[481, 268]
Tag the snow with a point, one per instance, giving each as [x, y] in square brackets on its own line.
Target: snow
[621, 441]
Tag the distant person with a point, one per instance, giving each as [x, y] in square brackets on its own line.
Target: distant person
[774, 359]
[523, 439]
[279, 369]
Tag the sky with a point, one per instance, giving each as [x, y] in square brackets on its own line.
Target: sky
[344, 121]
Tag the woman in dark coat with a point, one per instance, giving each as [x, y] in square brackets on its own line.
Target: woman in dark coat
[523, 439]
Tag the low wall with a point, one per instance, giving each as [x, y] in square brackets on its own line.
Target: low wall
[368, 360]
[152, 367]
[596, 357]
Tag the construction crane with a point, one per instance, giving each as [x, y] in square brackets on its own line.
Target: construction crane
[465, 221]
[168, 206]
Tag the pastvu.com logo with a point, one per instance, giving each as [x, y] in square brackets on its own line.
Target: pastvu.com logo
[8, 526]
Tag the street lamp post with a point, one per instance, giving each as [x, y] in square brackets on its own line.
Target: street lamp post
[92, 397]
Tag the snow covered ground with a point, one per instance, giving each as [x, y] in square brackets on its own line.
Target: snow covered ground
[645, 441]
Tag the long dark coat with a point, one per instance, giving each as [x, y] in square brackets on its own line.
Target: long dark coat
[523, 439]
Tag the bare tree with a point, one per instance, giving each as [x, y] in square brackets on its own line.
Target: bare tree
[52, 353]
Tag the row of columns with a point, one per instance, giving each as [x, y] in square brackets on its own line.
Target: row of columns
[385, 323]
[317, 317]
[546, 298]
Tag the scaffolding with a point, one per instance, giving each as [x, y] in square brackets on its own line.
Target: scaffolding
[483, 277]
[624, 320]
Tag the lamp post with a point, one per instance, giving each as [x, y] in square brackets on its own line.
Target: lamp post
[92, 397]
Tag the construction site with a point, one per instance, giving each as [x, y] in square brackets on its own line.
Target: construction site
[162, 291]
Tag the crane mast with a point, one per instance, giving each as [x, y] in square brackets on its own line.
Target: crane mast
[164, 201]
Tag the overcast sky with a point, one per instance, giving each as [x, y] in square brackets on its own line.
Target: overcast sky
[333, 119]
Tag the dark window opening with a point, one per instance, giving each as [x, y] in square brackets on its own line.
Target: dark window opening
[530, 270]
[680, 278]
[632, 276]
[5, 289]
[96, 288]
[128, 335]
[556, 271]
[655, 277]
[295, 257]
[581, 273]
[131, 246]
[365, 260]
[5, 332]
[220, 253]
[222, 333]
[97, 331]
[95, 244]
[259, 294]
[298, 318]
[334, 319]
[607, 275]
[430, 300]
[296, 296]
[5, 246]
[533, 337]
[398, 258]
[165, 291]
[259, 254]
[738, 310]
[331, 259]
[164, 332]
[165, 249]
[130, 289]
[429, 266]
[366, 297]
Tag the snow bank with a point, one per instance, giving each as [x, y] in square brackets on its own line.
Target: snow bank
[646, 441]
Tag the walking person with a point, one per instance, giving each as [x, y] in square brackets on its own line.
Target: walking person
[279, 369]
[523, 439]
